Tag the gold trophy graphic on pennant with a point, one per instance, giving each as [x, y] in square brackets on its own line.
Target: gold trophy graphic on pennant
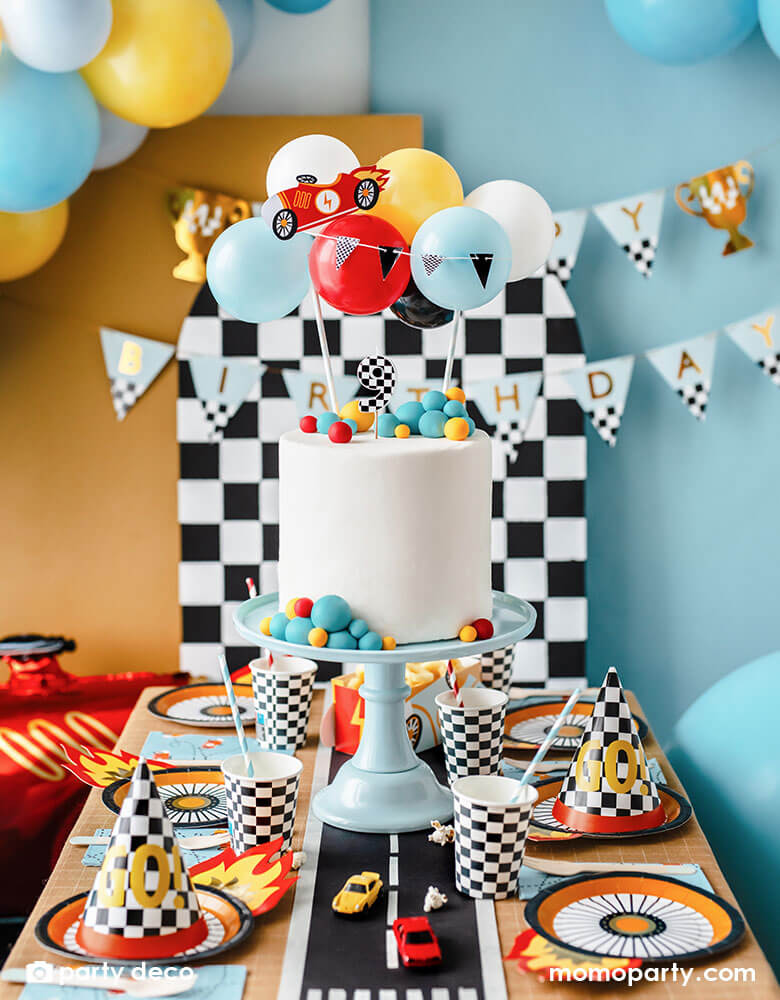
[723, 202]
[198, 219]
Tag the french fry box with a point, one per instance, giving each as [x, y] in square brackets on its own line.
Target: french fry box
[427, 680]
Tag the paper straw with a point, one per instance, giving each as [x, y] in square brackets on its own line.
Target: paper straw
[334, 403]
[454, 684]
[540, 753]
[231, 697]
[451, 351]
[250, 586]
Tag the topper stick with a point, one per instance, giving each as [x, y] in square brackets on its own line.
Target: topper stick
[334, 403]
[451, 351]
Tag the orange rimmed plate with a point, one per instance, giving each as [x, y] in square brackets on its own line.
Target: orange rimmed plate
[229, 921]
[203, 705]
[193, 797]
[526, 725]
[624, 915]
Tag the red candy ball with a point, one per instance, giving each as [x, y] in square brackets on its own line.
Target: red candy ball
[308, 424]
[484, 628]
[340, 432]
[302, 607]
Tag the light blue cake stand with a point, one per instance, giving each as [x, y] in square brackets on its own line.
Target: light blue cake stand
[385, 787]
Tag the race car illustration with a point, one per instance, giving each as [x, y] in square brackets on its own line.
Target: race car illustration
[309, 204]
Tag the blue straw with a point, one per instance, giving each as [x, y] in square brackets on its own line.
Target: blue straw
[231, 697]
[540, 753]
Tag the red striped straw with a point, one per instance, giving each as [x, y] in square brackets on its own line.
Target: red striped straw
[454, 684]
[250, 586]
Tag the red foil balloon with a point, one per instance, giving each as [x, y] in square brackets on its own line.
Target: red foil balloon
[369, 279]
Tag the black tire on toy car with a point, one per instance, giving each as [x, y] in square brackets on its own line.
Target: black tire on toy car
[366, 193]
[285, 224]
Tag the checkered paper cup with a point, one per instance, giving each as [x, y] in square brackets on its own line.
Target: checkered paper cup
[472, 735]
[490, 833]
[497, 668]
[282, 694]
[261, 808]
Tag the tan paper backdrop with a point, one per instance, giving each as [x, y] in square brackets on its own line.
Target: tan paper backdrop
[89, 536]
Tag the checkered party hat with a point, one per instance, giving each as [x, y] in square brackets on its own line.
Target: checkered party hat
[142, 904]
[608, 788]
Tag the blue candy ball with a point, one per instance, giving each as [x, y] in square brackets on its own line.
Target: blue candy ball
[371, 640]
[358, 628]
[331, 613]
[387, 425]
[298, 630]
[324, 420]
[432, 424]
[434, 400]
[409, 414]
[472, 425]
[351, 423]
[454, 408]
[278, 625]
[341, 640]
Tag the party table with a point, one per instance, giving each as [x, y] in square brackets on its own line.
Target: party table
[301, 940]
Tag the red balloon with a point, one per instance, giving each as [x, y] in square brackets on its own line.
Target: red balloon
[369, 279]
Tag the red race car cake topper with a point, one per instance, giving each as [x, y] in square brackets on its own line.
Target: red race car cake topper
[309, 204]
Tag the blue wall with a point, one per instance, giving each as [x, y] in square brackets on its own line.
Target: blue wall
[683, 528]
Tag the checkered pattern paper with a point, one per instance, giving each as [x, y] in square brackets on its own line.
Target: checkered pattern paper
[260, 810]
[142, 821]
[642, 254]
[606, 420]
[497, 668]
[228, 491]
[489, 847]
[283, 702]
[124, 396]
[695, 398]
[472, 738]
[770, 365]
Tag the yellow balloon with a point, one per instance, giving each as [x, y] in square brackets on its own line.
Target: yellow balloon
[165, 61]
[420, 184]
[29, 239]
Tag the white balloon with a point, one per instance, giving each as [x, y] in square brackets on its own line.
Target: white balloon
[318, 156]
[56, 36]
[525, 216]
[118, 139]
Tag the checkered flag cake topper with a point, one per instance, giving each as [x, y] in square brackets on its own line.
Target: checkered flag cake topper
[283, 701]
[377, 374]
[608, 788]
[142, 903]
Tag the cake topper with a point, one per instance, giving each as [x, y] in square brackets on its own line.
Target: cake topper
[377, 374]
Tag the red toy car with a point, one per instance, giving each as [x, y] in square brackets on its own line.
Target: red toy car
[417, 944]
[310, 204]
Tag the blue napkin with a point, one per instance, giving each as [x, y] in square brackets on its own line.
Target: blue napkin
[196, 746]
[223, 981]
[94, 854]
[531, 882]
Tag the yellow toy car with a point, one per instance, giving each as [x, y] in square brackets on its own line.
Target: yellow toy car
[359, 894]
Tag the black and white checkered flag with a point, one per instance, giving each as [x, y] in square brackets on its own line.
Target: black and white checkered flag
[561, 268]
[770, 365]
[124, 396]
[431, 261]
[509, 435]
[695, 398]
[642, 254]
[377, 374]
[345, 246]
[217, 415]
[606, 420]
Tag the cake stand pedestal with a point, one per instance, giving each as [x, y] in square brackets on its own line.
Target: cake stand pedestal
[385, 787]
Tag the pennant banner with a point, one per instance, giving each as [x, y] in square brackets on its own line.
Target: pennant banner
[634, 224]
[759, 338]
[482, 263]
[132, 364]
[507, 403]
[221, 385]
[387, 259]
[309, 391]
[569, 227]
[687, 367]
[601, 389]
[345, 245]
[431, 261]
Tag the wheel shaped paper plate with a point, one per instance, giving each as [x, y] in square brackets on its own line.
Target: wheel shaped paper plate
[545, 827]
[228, 921]
[528, 722]
[512, 618]
[193, 797]
[622, 915]
[203, 705]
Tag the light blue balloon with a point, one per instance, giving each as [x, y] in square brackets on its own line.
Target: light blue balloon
[298, 6]
[459, 232]
[769, 16]
[682, 32]
[49, 135]
[255, 276]
[240, 16]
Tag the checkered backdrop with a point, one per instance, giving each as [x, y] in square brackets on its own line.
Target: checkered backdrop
[228, 491]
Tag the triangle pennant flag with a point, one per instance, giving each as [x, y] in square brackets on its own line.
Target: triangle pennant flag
[687, 367]
[132, 364]
[345, 246]
[309, 390]
[634, 224]
[431, 261]
[482, 263]
[507, 403]
[221, 385]
[387, 258]
[569, 227]
[759, 338]
[608, 788]
[601, 389]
